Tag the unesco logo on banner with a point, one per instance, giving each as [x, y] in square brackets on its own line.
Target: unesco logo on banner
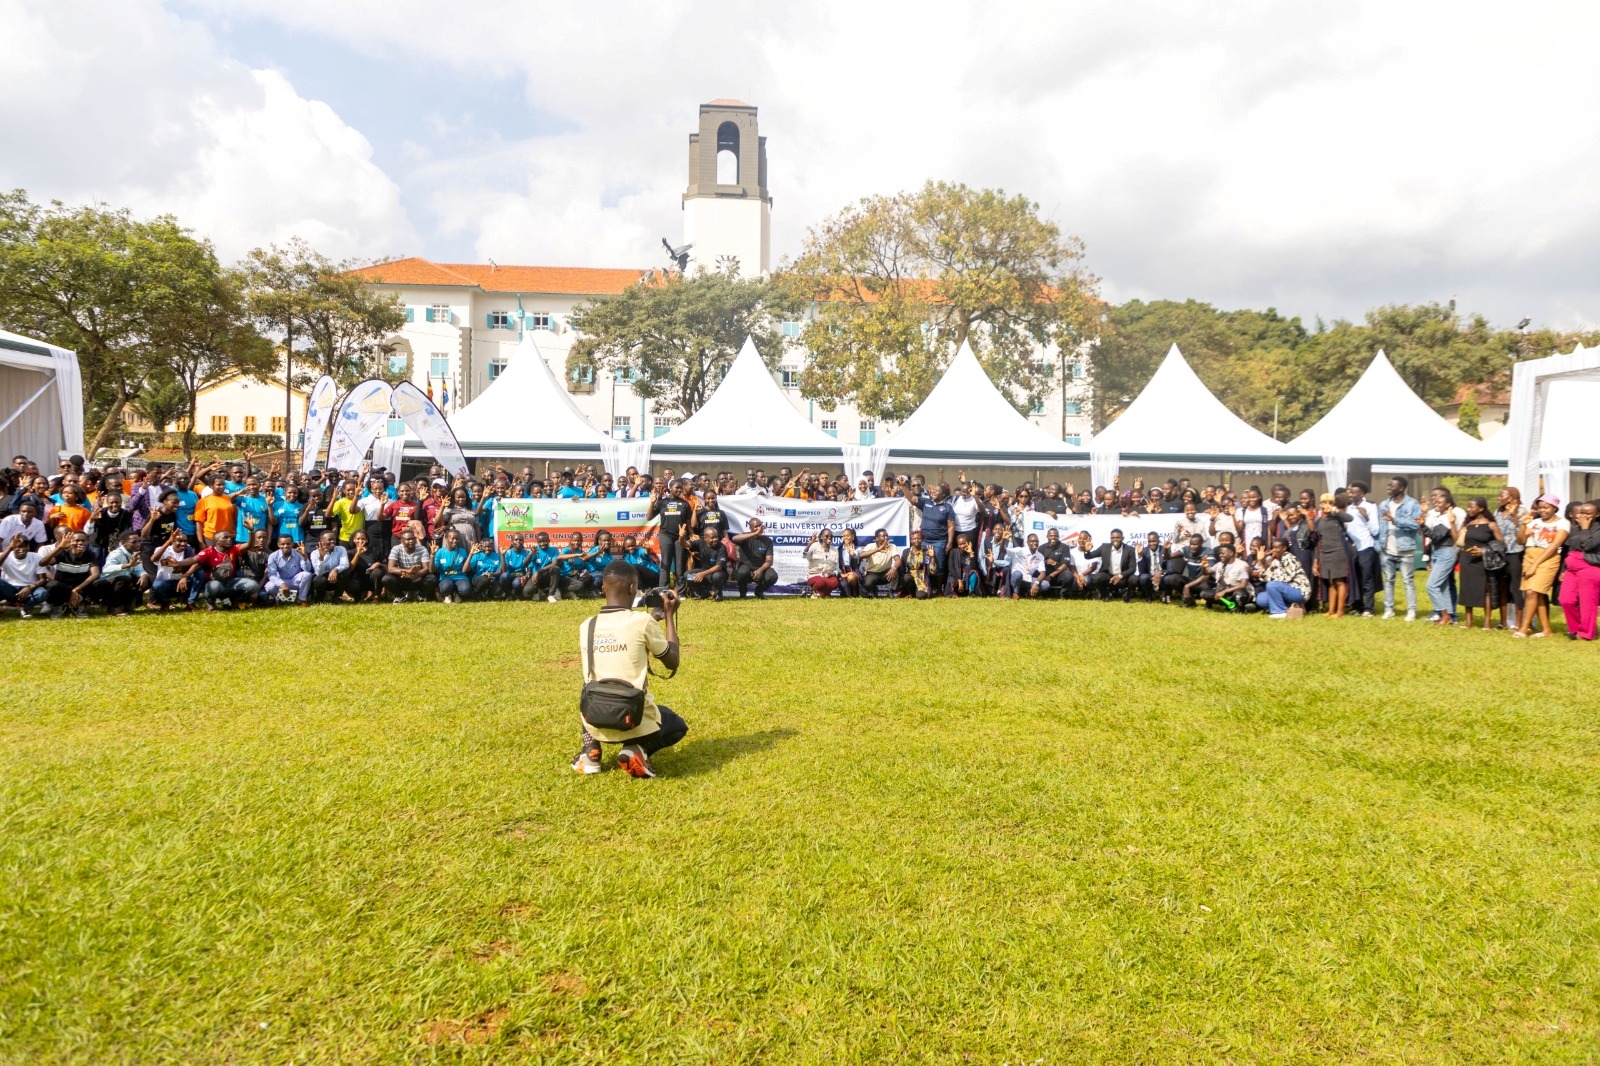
[789, 512]
[1037, 524]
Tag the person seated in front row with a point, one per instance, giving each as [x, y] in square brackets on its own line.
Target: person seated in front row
[1230, 581]
[706, 574]
[484, 567]
[1027, 570]
[879, 563]
[643, 560]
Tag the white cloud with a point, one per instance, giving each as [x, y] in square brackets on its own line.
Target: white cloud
[126, 103]
[1319, 158]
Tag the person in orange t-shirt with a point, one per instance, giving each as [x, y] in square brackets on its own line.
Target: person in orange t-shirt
[215, 512]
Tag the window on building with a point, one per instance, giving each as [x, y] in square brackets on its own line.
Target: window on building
[501, 320]
[581, 379]
[249, 423]
[397, 365]
[395, 427]
[792, 329]
[496, 366]
[869, 431]
[622, 427]
[623, 375]
[1037, 408]
[539, 320]
[411, 314]
[830, 426]
[1078, 370]
[1072, 407]
[790, 379]
[438, 364]
[664, 423]
[439, 313]
[1074, 440]
[219, 423]
[279, 424]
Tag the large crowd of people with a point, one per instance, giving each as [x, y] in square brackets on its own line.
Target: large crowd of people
[231, 535]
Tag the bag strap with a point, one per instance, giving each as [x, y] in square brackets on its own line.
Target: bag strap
[588, 666]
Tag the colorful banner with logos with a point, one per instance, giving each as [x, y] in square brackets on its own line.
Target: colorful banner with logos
[562, 518]
[362, 416]
[318, 410]
[791, 524]
[425, 420]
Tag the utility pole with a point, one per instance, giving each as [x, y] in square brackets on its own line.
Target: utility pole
[288, 394]
[1275, 418]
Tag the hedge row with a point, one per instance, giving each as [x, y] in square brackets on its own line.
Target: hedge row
[209, 442]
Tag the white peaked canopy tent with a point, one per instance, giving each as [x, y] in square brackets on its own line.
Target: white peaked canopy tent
[1381, 419]
[41, 401]
[1550, 430]
[1176, 422]
[747, 418]
[523, 414]
[967, 419]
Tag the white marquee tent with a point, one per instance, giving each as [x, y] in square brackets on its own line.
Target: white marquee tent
[41, 401]
[1177, 423]
[1550, 429]
[523, 414]
[1381, 419]
[747, 418]
[966, 419]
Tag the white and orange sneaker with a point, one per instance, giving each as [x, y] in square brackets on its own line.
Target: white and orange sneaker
[633, 759]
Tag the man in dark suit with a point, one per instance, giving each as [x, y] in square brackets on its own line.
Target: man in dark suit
[1148, 561]
[1119, 565]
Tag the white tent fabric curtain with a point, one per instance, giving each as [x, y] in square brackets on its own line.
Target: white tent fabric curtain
[860, 458]
[1336, 468]
[1557, 474]
[621, 454]
[386, 452]
[1531, 384]
[69, 396]
[1103, 466]
[32, 421]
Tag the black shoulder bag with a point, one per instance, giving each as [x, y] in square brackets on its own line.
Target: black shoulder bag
[1494, 556]
[609, 703]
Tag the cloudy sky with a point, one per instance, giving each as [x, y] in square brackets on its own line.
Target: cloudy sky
[1320, 158]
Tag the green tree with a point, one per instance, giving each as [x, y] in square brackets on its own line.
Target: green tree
[96, 280]
[675, 336]
[1467, 419]
[313, 308]
[163, 400]
[897, 284]
[211, 338]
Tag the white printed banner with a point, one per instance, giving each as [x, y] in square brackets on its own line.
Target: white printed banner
[362, 415]
[426, 421]
[318, 410]
[791, 523]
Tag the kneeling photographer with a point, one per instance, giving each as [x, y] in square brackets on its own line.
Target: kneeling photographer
[616, 706]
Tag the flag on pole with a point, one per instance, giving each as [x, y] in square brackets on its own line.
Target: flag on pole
[430, 386]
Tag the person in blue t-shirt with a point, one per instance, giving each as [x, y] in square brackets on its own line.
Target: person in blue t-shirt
[546, 576]
[517, 560]
[450, 564]
[483, 570]
[599, 555]
[252, 506]
[188, 499]
[286, 515]
[576, 580]
[642, 560]
[568, 491]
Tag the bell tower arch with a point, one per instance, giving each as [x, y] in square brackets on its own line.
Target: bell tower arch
[727, 210]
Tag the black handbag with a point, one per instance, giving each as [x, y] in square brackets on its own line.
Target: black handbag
[608, 703]
[1494, 556]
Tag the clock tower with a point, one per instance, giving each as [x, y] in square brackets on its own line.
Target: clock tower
[727, 211]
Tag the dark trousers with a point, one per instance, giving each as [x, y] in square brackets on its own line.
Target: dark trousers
[1105, 589]
[330, 584]
[1367, 578]
[368, 580]
[543, 582]
[673, 729]
[424, 586]
[744, 575]
[871, 582]
[710, 584]
[1172, 584]
[1143, 586]
[117, 593]
[484, 586]
[577, 585]
[671, 557]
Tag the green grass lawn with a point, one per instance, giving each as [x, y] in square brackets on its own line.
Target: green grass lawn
[975, 831]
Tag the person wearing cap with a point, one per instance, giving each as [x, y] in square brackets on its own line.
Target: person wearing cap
[1542, 532]
[568, 491]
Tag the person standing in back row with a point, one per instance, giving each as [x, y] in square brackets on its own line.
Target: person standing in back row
[667, 503]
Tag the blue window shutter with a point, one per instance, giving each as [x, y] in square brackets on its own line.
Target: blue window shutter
[411, 314]
[488, 320]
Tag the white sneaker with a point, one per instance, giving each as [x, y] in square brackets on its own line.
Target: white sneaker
[633, 759]
[1388, 614]
[554, 598]
[1366, 614]
[1411, 616]
[1278, 617]
[586, 763]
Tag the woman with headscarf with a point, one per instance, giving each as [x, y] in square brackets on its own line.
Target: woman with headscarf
[1580, 581]
[1542, 532]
